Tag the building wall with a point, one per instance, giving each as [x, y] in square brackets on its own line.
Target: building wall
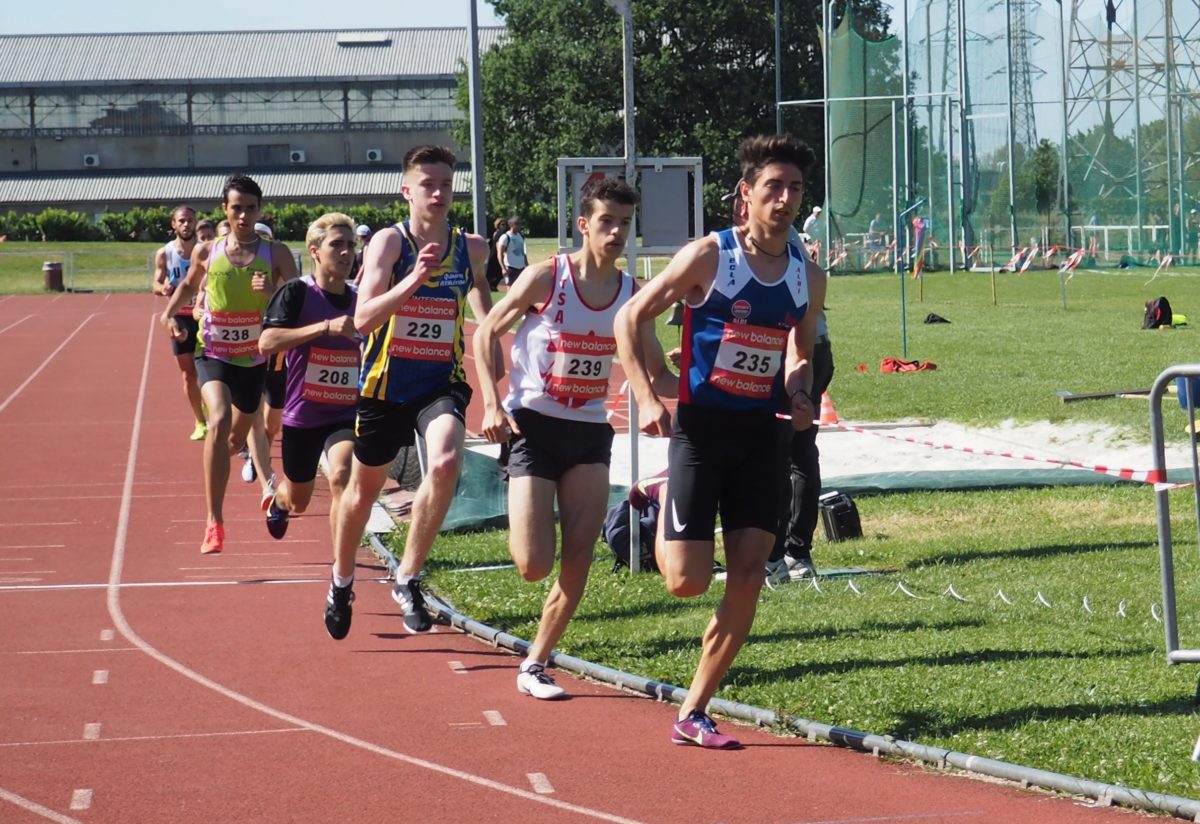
[67, 154]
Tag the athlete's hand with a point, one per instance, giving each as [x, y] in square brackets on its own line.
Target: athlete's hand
[344, 326]
[172, 327]
[803, 413]
[258, 282]
[166, 289]
[498, 427]
[428, 260]
[654, 419]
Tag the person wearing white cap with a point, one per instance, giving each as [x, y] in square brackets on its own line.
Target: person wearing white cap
[810, 223]
[363, 233]
[264, 231]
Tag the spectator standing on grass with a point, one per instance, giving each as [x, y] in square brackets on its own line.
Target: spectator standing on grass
[241, 272]
[511, 249]
[810, 224]
[557, 442]
[746, 356]
[419, 276]
[362, 234]
[171, 264]
[311, 321]
[495, 267]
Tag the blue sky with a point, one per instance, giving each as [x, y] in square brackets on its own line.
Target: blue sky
[75, 16]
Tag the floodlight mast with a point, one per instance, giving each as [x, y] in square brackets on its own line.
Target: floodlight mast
[478, 201]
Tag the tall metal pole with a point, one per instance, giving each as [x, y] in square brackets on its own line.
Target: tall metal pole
[906, 92]
[1139, 182]
[625, 9]
[1012, 130]
[1172, 202]
[898, 229]
[778, 72]
[950, 184]
[825, 48]
[1065, 175]
[964, 134]
[478, 195]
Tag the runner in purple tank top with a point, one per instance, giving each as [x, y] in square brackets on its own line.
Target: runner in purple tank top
[312, 321]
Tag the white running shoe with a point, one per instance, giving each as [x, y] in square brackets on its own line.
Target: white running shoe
[800, 568]
[777, 572]
[535, 681]
[248, 473]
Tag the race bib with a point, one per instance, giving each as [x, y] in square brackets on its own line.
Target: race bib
[748, 360]
[581, 367]
[424, 330]
[233, 334]
[331, 376]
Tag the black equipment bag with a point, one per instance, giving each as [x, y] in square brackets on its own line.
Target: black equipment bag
[839, 516]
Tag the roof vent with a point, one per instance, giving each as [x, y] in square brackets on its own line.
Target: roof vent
[364, 38]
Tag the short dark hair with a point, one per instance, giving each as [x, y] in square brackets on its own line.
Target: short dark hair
[610, 189]
[419, 155]
[205, 223]
[757, 152]
[238, 182]
[182, 207]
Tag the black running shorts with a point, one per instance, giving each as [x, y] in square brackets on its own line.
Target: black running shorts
[383, 427]
[245, 382]
[276, 383]
[547, 447]
[191, 326]
[302, 448]
[726, 461]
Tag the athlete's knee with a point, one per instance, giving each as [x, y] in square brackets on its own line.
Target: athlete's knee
[533, 569]
[684, 585]
[443, 468]
[339, 480]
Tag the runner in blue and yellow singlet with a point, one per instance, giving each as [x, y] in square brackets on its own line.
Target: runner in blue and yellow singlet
[240, 273]
[417, 278]
[747, 349]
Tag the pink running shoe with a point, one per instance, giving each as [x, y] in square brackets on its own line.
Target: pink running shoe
[700, 731]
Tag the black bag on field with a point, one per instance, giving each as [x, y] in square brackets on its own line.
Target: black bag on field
[839, 516]
[1158, 313]
[616, 534]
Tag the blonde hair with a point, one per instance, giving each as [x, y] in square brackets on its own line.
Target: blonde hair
[321, 226]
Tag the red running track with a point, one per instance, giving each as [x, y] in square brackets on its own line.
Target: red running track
[143, 682]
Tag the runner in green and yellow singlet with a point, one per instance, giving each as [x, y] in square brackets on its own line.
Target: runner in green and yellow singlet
[241, 272]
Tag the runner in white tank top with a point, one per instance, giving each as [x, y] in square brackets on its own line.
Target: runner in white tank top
[556, 438]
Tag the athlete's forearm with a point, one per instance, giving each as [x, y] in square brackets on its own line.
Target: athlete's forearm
[183, 293]
[484, 343]
[629, 350]
[278, 339]
[373, 313]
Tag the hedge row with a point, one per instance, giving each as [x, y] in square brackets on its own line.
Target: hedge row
[290, 221]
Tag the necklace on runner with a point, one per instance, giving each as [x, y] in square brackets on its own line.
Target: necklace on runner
[759, 247]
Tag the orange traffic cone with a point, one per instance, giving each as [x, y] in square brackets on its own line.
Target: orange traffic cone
[829, 415]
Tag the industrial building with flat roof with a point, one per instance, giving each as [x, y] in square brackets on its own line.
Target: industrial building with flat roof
[109, 121]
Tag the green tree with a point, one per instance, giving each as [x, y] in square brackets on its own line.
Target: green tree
[704, 79]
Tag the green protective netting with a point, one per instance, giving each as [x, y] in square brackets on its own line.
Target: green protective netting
[481, 498]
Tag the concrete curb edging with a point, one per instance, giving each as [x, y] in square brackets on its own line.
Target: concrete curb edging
[1101, 793]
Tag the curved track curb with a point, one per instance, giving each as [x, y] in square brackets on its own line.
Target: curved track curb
[1101, 793]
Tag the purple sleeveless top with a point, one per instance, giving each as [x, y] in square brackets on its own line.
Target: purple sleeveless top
[322, 375]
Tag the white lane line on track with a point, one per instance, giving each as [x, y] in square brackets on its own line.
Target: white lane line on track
[36, 809]
[113, 601]
[494, 718]
[81, 800]
[15, 323]
[16, 392]
[912, 817]
[167, 584]
[457, 667]
[129, 738]
[33, 546]
[540, 783]
[64, 651]
[106, 635]
[100, 677]
[91, 732]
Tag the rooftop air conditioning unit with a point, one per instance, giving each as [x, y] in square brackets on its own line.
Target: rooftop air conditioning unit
[374, 155]
[297, 156]
[91, 160]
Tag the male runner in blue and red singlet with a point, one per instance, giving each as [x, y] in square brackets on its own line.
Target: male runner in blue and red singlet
[171, 264]
[418, 277]
[746, 358]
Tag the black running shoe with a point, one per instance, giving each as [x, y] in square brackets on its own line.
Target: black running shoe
[412, 605]
[277, 520]
[338, 611]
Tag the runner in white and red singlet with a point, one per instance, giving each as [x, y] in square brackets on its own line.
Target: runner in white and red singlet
[746, 356]
[556, 436]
